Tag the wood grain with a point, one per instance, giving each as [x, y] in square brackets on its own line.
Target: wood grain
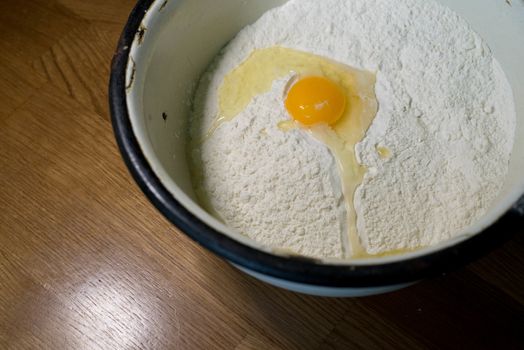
[87, 263]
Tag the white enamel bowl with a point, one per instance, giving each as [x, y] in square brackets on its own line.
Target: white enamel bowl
[165, 47]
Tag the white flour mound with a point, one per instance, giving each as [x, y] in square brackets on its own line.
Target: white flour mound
[446, 113]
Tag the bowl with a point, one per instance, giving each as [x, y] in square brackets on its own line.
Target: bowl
[166, 46]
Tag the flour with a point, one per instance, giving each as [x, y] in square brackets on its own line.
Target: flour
[446, 115]
[258, 187]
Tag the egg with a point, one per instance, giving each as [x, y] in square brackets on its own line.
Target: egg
[314, 100]
[332, 101]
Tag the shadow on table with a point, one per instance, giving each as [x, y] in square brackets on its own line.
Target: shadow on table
[458, 310]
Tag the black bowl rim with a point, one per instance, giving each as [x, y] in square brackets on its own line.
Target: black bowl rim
[293, 269]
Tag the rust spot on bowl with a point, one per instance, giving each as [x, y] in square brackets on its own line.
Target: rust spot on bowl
[141, 32]
[133, 73]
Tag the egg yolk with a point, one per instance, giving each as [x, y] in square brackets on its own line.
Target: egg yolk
[314, 100]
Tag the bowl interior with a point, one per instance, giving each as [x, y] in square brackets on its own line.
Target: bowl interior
[178, 39]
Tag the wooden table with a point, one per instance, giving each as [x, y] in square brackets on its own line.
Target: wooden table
[87, 263]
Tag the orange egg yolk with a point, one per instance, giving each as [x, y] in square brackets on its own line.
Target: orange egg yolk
[314, 100]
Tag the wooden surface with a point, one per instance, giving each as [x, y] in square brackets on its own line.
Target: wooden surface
[87, 263]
